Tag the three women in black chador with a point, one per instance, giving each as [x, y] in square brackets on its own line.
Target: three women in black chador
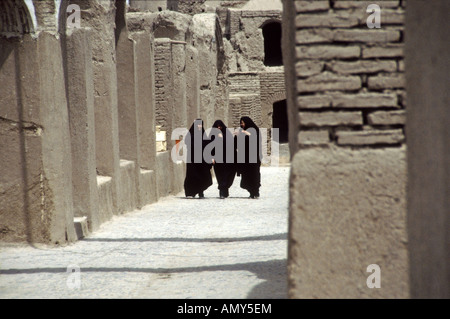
[229, 153]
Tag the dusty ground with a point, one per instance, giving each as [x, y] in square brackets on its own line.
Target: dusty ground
[176, 248]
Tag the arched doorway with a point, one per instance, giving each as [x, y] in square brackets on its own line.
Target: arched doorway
[280, 120]
[272, 44]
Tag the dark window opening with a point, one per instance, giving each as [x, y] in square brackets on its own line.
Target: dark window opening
[272, 44]
[280, 120]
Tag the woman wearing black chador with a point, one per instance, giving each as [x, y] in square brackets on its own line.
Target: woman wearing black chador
[249, 156]
[198, 172]
[224, 161]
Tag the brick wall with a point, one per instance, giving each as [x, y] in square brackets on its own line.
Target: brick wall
[350, 78]
[245, 97]
[243, 83]
[272, 90]
[253, 95]
[245, 105]
[162, 82]
[272, 86]
[234, 112]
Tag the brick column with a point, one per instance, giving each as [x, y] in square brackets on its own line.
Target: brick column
[348, 177]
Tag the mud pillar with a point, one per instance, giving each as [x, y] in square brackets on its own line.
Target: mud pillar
[163, 85]
[179, 108]
[36, 202]
[192, 85]
[179, 82]
[106, 126]
[82, 125]
[164, 110]
[128, 122]
[145, 97]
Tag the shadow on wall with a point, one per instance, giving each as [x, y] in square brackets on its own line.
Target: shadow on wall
[23, 159]
[14, 129]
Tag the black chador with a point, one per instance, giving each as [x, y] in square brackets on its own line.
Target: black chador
[249, 152]
[224, 157]
[198, 171]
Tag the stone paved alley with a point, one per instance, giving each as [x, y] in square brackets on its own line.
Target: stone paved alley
[175, 248]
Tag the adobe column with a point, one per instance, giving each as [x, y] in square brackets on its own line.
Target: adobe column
[164, 111]
[106, 109]
[179, 83]
[82, 125]
[128, 122]
[35, 148]
[145, 98]
[179, 106]
[163, 85]
[192, 85]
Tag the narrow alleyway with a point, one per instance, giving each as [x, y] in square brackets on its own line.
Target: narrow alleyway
[176, 248]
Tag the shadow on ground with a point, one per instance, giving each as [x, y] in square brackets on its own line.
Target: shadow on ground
[281, 236]
[272, 271]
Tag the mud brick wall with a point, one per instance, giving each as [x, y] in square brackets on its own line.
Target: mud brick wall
[244, 105]
[272, 90]
[162, 82]
[271, 83]
[350, 78]
[245, 97]
[243, 83]
[272, 87]
[233, 22]
[255, 92]
[235, 111]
